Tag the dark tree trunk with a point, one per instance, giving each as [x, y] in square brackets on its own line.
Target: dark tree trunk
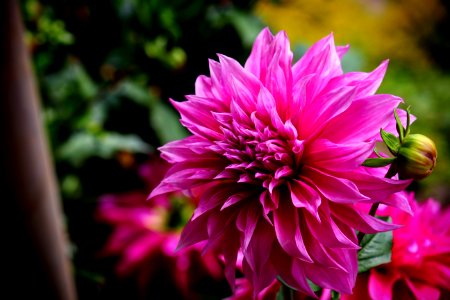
[34, 242]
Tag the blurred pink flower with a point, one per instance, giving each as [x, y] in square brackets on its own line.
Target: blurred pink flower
[275, 161]
[244, 291]
[146, 243]
[420, 266]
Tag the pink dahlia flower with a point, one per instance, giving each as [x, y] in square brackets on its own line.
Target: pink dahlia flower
[275, 160]
[146, 242]
[420, 266]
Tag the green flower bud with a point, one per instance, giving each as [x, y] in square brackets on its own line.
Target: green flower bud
[416, 157]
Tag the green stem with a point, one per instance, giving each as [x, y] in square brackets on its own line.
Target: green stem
[288, 293]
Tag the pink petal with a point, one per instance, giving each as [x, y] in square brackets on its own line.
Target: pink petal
[267, 111]
[235, 198]
[331, 278]
[342, 50]
[351, 216]
[294, 276]
[257, 255]
[305, 196]
[328, 233]
[186, 149]
[246, 222]
[230, 252]
[381, 285]
[335, 189]
[270, 61]
[362, 120]
[218, 226]
[212, 198]
[398, 200]
[325, 154]
[243, 86]
[185, 175]
[193, 232]
[279, 75]
[257, 62]
[203, 87]
[286, 223]
[321, 58]
[198, 109]
[318, 113]
[375, 187]
[423, 291]
[219, 91]
[260, 281]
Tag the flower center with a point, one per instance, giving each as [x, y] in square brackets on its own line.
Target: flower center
[262, 155]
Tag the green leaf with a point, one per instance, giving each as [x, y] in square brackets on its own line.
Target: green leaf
[313, 286]
[391, 141]
[135, 92]
[71, 82]
[335, 295]
[247, 26]
[83, 145]
[408, 121]
[399, 126]
[378, 162]
[280, 295]
[166, 124]
[284, 283]
[375, 251]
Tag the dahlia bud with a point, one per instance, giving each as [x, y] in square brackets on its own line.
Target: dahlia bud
[413, 156]
[416, 157]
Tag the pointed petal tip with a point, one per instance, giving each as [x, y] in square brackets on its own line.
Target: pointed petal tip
[173, 102]
[180, 246]
[152, 195]
[223, 58]
[266, 30]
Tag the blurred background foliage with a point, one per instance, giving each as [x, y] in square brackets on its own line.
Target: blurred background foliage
[106, 70]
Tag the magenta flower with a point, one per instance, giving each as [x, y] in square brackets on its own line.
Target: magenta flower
[146, 243]
[244, 291]
[420, 266]
[275, 159]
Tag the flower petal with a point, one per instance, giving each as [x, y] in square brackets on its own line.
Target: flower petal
[291, 271]
[305, 196]
[324, 154]
[360, 221]
[381, 285]
[335, 189]
[286, 223]
[322, 58]
[317, 114]
[362, 120]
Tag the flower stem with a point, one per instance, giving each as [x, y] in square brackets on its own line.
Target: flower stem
[288, 293]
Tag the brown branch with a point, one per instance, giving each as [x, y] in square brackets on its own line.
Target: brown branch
[37, 261]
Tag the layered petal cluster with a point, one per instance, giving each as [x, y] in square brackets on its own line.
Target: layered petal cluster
[420, 266]
[145, 243]
[275, 159]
